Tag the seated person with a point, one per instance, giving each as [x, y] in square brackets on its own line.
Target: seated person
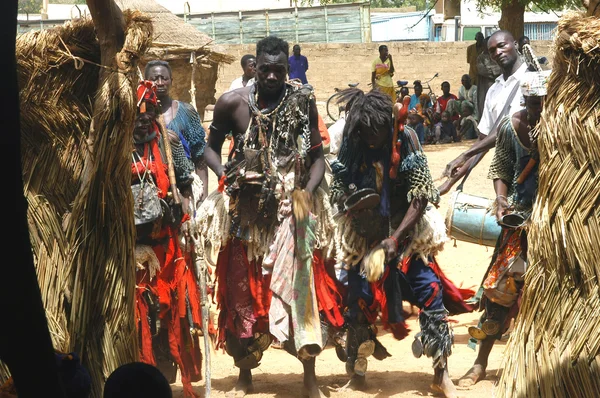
[467, 128]
[445, 130]
[415, 121]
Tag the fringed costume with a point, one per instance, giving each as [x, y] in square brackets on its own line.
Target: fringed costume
[398, 175]
[271, 272]
[167, 294]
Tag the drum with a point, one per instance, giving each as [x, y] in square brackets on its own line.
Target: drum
[469, 219]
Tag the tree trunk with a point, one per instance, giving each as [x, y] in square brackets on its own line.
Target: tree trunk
[513, 18]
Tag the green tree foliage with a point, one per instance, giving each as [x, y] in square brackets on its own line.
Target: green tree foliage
[419, 4]
[30, 6]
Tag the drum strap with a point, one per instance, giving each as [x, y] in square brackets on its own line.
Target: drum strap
[478, 157]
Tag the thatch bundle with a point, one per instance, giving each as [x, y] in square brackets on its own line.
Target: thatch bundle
[85, 261]
[554, 350]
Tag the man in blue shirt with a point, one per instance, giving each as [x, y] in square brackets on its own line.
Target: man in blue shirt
[298, 65]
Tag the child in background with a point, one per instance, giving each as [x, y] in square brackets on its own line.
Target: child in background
[415, 121]
[468, 124]
[447, 131]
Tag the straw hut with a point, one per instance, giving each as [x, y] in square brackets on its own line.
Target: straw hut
[554, 350]
[174, 41]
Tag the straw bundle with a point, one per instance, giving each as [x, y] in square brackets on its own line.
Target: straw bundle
[87, 277]
[55, 114]
[555, 348]
[101, 229]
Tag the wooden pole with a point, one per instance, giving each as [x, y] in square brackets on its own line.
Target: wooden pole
[193, 80]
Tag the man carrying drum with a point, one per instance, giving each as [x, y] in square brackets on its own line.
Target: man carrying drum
[514, 172]
[502, 99]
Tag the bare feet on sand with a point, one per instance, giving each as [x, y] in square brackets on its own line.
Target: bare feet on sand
[243, 386]
[311, 389]
[356, 383]
[475, 374]
[442, 384]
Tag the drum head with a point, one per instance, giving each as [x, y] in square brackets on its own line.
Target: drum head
[512, 220]
[365, 198]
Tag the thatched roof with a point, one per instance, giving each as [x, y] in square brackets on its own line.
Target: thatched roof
[173, 38]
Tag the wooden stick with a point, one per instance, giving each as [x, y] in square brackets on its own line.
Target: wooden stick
[170, 165]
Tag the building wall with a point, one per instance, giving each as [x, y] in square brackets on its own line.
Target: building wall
[335, 65]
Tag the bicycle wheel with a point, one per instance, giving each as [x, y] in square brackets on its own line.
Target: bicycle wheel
[333, 110]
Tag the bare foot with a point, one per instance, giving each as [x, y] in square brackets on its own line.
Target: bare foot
[356, 383]
[243, 386]
[475, 374]
[443, 385]
[311, 389]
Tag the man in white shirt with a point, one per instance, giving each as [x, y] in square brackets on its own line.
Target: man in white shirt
[502, 48]
[249, 67]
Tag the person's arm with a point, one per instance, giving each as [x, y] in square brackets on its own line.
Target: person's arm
[373, 75]
[219, 128]
[306, 59]
[392, 70]
[502, 206]
[421, 191]
[317, 167]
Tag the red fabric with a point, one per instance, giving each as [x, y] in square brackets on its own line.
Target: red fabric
[146, 91]
[222, 181]
[324, 132]
[145, 335]
[328, 296]
[399, 127]
[442, 103]
[454, 297]
[157, 168]
[399, 330]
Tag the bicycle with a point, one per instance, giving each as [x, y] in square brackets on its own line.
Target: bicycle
[426, 86]
[333, 109]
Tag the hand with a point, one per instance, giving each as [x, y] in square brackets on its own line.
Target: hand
[503, 207]
[390, 247]
[453, 166]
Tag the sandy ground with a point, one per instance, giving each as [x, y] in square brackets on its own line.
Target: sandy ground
[280, 375]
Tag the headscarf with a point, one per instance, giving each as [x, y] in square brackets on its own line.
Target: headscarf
[146, 93]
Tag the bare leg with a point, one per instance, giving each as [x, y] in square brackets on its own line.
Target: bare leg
[356, 383]
[244, 384]
[442, 383]
[477, 372]
[311, 387]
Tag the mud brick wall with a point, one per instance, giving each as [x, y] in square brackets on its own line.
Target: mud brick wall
[335, 65]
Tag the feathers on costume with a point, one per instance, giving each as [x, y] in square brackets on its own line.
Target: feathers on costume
[374, 264]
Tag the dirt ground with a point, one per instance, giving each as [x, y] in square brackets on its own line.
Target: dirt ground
[401, 375]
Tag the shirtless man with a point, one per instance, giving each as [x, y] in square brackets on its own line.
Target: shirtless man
[249, 114]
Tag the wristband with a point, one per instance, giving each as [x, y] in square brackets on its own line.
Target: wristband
[501, 196]
[395, 241]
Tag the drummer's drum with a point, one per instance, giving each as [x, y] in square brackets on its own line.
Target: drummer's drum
[470, 219]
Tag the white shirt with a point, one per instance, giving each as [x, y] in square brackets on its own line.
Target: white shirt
[239, 83]
[496, 98]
